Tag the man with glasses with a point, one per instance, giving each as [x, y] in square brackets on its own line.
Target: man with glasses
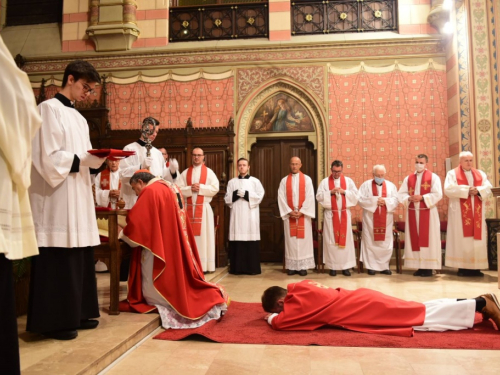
[337, 194]
[155, 163]
[198, 185]
[63, 291]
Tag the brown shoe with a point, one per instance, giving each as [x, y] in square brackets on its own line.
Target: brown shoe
[492, 308]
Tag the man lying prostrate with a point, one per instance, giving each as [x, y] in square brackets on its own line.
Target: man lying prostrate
[308, 305]
[165, 271]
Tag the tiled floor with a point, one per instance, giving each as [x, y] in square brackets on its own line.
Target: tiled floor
[204, 357]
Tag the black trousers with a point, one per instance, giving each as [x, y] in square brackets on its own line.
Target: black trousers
[63, 289]
[9, 344]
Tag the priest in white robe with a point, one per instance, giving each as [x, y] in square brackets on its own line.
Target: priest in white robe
[420, 193]
[172, 166]
[337, 194]
[297, 209]
[466, 238]
[63, 292]
[19, 120]
[379, 199]
[108, 184]
[199, 185]
[155, 163]
[243, 196]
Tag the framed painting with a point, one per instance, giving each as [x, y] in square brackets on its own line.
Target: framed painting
[281, 113]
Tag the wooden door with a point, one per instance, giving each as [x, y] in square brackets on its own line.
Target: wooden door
[270, 162]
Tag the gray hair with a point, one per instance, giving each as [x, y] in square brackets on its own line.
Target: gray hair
[464, 154]
[379, 166]
[143, 176]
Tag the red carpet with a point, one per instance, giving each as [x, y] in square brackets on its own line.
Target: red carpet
[244, 324]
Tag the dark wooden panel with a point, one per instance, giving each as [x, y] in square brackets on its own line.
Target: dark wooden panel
[31, 12]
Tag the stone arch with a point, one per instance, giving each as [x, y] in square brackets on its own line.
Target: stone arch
[299, 92]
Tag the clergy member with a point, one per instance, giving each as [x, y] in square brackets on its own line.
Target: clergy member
[165, 271]
[297, 209]
[19, 120]
[337, 194]
[198, 185]
[378, 198]
[108, 185]
[309, 305]
[155, 163]
[243, 196]
[420, 193]
[172, 165]
[466, 238]
[63, 291]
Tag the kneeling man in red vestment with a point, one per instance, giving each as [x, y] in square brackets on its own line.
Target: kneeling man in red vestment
[165, 271]
[308, 305]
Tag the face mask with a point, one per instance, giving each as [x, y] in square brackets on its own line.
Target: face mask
[379, 180]
[419, 167]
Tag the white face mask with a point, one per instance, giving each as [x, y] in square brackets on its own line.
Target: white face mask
[419, 167]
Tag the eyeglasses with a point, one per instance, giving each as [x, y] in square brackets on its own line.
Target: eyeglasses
[336, 172]
[87, 89]
[197, 155]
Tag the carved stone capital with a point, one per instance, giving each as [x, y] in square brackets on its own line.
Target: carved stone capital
[439, 15]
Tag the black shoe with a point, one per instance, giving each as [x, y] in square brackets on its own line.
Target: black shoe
[418, 272]
[88, 324]
[333, 273]
[303, 272]
[470, 273]
[462, 273]
[386, 272]
[371, 272]
[346, 273]
[291, 272]
[426, 273]
[477, 273]
[62, 335]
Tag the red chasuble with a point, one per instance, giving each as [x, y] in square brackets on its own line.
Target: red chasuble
[339, 224]
[472, 220]
[196, 215]
[157, 223]
[310, 305]
[380, 214]
[296, 226]
[419, 238]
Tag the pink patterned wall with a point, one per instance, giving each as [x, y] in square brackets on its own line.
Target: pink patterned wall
[209, 103]
[388, 119]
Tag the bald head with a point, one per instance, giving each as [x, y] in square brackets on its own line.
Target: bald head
[198, 156]
[295, 165]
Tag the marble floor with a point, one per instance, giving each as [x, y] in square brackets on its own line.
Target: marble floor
[127, 338]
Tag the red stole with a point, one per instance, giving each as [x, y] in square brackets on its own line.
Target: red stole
[380, 214]
[296, 226]
[106, 181]
[339, 224]
[419, 238]
[196, 215]
[158, 224]
[472, 220]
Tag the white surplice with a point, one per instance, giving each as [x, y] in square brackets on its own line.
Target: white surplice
[376, 255]
[132, 164]
[427, 257]
[205, 242]
[102, 196]
[62, 202]
[465, 252]
[19, 120]
[334, 257]
[244, 222]
[299, 252]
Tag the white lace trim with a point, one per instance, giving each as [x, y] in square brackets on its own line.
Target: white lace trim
[302, 264]
[170, 319]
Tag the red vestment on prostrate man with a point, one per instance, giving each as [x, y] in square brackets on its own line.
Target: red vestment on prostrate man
[159, 224]
[309, 305]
